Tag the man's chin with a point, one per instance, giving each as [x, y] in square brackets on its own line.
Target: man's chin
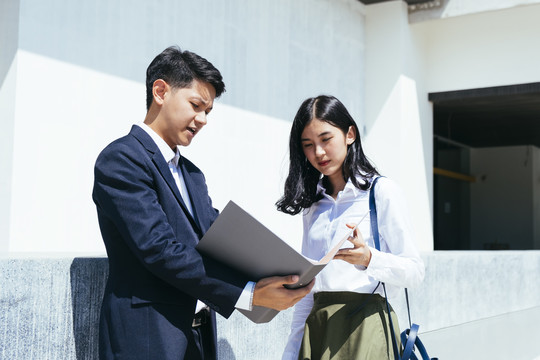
[184, 142]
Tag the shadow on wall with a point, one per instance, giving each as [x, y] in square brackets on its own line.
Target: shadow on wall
[265, 70]
[9, 28]
[5, 66]
[225, 350]
[88, 277]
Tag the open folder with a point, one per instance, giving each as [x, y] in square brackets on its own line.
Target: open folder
[238, 240]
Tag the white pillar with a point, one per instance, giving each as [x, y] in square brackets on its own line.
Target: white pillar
[9, 30]
[398, 114]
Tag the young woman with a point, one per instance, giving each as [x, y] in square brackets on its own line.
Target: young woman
[344, 317]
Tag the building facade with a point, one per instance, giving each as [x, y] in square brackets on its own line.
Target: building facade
[446, 94]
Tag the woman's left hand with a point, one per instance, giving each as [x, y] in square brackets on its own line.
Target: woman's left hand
[359, 254]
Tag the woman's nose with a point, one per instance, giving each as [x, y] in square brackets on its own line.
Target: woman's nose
[319, 151]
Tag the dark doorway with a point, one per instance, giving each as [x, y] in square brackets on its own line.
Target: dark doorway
[486, 144]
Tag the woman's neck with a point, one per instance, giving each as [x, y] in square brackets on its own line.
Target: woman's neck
[334, 185]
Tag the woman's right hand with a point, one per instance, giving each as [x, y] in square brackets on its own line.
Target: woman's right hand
[359, 254]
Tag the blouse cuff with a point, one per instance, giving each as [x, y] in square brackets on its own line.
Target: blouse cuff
[376, 263]
[364, 268]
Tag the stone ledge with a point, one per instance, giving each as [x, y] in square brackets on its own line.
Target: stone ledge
[49, 307]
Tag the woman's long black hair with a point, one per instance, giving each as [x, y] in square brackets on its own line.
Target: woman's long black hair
[301, 184]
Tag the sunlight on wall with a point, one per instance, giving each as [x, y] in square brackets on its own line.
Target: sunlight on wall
[62, 122]
[395, 145]
[56, 142]
[244, 156]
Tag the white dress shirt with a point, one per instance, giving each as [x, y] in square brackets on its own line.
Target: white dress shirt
[244, 302]
[398, 264]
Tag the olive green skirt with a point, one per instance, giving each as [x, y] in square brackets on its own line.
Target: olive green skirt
[347, 326]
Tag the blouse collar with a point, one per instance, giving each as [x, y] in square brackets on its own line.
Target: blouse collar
[349, 187]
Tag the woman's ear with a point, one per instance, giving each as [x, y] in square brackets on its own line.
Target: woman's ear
[351, 135]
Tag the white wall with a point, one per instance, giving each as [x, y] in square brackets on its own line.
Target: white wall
[9, 34]
[79, 85]
[248, 165]
[65, 115]
[272, 53]
[492, 48]
[452, 8]
[482, 50]
[398, 115]
[78, 80]
[406, 61]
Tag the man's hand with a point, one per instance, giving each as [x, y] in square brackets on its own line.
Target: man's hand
[270, 292]
[359, 254]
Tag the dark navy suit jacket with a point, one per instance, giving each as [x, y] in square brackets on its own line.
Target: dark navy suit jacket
[155, 273]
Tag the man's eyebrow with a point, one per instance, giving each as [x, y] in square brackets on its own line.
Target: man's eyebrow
[199, 98]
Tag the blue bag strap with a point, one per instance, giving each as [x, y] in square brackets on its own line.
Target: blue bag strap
[409, 341]
[376, 240]
[373, 214]
[406, 337]
[409, 337]
[392, 332]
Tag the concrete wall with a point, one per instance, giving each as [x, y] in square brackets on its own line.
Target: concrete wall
[49, 309]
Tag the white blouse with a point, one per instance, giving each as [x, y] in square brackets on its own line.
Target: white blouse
[398, 264]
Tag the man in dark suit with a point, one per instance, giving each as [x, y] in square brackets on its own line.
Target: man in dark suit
[153, 207]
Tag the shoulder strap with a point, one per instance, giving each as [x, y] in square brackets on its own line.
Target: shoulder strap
[375, 232]
[373, 214]
[408, 337]
[376, 240]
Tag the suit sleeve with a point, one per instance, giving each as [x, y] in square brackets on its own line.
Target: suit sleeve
[125, 194]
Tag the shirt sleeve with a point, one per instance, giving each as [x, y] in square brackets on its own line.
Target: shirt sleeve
[398, 263]
[245, 301]
[301, 312]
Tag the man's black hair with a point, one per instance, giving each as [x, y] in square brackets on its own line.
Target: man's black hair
[179, 68]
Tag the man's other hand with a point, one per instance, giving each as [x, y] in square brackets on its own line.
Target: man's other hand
[270, 292]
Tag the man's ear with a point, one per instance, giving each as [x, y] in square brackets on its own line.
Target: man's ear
[159, 89]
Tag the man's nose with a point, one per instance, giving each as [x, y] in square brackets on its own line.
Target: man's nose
[201, 118]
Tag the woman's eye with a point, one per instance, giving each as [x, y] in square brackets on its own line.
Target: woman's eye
[325, 140]
[307, 145]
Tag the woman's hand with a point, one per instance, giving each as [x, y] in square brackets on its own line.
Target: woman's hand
[359, 254]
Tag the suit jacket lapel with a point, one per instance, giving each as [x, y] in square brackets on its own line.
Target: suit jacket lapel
[193, 194]
[163, 168]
